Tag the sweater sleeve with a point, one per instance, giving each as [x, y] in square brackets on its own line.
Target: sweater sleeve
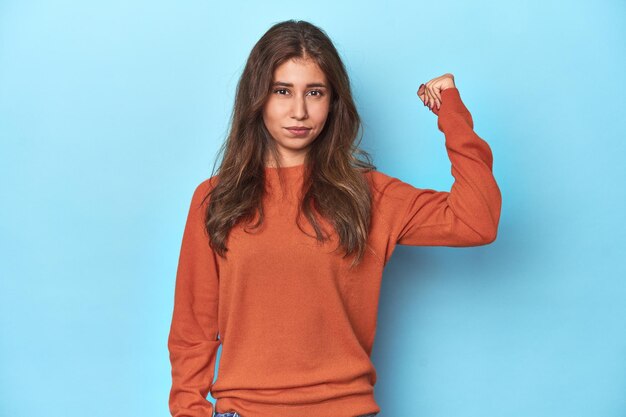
[193, 338]
[467, 215]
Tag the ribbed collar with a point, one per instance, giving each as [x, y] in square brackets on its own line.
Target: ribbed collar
[290, 172]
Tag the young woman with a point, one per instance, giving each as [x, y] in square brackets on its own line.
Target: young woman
[284, 248]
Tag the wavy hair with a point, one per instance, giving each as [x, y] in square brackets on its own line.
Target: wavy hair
[334, 185]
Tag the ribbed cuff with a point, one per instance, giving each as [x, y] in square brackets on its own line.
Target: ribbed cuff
[451, 104]
[451, 101]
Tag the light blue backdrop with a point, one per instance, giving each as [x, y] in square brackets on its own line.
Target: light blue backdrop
[111, 112]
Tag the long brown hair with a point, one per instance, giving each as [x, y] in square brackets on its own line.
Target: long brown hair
[334, 185]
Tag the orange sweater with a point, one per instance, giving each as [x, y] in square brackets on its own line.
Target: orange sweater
[296, 326]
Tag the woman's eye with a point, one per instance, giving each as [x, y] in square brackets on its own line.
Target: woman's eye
[318, 93]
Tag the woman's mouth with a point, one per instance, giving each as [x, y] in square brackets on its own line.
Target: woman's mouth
[298, 131]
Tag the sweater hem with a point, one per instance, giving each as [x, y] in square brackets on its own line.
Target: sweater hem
[348, 406]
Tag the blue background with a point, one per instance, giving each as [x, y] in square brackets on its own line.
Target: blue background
[111, 112]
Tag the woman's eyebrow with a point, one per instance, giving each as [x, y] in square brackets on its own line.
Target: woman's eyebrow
[308, 85]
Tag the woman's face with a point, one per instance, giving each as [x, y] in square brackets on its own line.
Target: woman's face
[300, 97]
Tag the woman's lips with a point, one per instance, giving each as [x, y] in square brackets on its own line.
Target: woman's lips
[298, 132]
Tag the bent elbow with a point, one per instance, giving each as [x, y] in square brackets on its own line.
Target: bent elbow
[489, 236]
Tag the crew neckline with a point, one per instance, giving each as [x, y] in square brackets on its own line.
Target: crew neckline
[292, 167]
[294, 172]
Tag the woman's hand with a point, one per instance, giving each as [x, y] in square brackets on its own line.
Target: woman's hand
[430, 93]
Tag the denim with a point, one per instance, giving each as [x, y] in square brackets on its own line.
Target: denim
[236, 414]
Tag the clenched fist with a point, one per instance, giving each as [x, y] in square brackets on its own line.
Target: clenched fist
[430, 93]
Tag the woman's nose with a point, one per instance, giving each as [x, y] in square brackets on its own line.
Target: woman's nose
[299, 110]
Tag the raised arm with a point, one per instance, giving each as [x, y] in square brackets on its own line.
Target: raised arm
[469, 213]
[193, 338]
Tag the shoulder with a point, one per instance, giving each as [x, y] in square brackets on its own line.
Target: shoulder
[207, 184]
[202, 190]
[375, 176]
[385, 186]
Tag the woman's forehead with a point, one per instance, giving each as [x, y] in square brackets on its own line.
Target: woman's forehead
[299, 72]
